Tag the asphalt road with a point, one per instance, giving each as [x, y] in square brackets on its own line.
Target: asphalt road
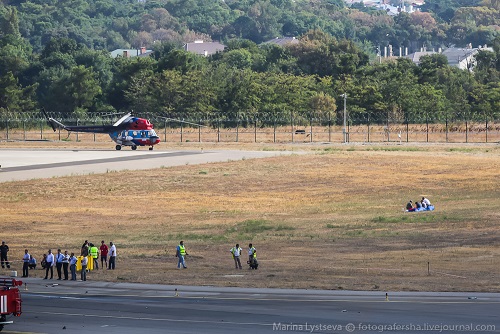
[100, 307]
[25, 164]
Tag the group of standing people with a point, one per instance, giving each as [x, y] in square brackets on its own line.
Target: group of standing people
[103, 251]
[252, 256]
[65, 262]
[236, 252]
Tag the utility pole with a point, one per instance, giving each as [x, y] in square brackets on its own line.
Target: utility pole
[344, 132]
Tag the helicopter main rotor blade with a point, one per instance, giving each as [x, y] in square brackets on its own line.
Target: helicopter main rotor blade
[120, 121]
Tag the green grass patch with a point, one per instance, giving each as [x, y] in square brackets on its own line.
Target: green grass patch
[284, 228]
[396, 149]
[462, 149]
[391, 220]
[418, 217]
[254, 226]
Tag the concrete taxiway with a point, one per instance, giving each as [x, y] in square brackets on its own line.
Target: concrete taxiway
[19, 164]
[51, 306]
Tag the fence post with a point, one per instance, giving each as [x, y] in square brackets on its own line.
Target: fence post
[291, 123]
[218, 130]
[8, 129]
[446, 126]
[237, 128]
[486, 129]
[427, 121]
[407, 132]
[24, 129]
[41, 130]
[348, 133]
[466, 131]
[199, 131]
[77, 121]
[368, 127]
[274, 130]
[165, 133]
[182, 130]
[255, 131]
[388, 130]
[329, 128]
[311, 126]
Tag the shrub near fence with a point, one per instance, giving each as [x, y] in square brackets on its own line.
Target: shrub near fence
[453, 132]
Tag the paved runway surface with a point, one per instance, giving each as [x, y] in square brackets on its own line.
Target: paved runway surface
[100, 307]
[17, 164]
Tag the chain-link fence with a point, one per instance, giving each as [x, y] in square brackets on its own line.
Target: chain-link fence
[269, 130]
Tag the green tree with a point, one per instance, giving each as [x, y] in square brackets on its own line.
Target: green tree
[14, 99]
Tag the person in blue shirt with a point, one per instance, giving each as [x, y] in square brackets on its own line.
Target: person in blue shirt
[32, 262]
[26, 260]
[59, 263]
[72, 266]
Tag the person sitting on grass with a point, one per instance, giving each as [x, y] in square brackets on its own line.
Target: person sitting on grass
[409, 206]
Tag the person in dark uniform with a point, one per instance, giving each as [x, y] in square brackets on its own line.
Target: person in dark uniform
[4, 249]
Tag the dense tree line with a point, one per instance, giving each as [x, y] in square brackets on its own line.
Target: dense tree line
[246, 82]
[109, 24]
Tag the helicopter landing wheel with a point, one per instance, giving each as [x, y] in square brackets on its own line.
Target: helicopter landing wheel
[151, 148]
[134, 148]
[118, 147]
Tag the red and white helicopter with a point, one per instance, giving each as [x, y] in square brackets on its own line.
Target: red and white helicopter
[127, 131]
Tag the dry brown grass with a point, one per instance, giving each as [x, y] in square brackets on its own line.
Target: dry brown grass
[331, 219]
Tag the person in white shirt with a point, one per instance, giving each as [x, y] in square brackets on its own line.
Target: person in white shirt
[236, 251]
[112, 255]
[59, 263]
[426, 202]
[65, 263]
[85, 261]
[50, 265]
[26, 262]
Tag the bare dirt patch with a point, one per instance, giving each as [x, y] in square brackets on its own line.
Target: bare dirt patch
[331, 219]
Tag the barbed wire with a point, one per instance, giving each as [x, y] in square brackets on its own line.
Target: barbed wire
[34, 118]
